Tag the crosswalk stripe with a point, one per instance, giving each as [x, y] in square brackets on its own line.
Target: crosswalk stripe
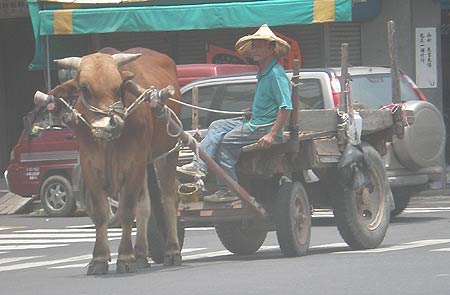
[15, 259]
[29, 247]
[44, 263]
[441, 250]
[404, 246]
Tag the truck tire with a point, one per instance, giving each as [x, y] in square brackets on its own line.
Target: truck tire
[241, 238]
[402, 196]
[293, 219]
[363, 215]
[424, 141]
[157, 241]
[57, 197]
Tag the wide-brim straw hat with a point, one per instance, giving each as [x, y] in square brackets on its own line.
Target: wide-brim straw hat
[244, 44]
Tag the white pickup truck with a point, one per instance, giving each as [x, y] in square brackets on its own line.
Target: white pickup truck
[412, 163]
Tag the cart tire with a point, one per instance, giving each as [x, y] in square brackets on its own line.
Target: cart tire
[241, 238]
[57, 197]
[363, 215]
[293, 219]
[157, 242]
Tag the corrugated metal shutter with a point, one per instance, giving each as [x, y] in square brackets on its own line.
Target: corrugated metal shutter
[310, 41]
[339, 33]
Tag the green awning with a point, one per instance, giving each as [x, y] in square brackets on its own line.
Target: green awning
[71, 17]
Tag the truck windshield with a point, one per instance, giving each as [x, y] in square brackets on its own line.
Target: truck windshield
[375, 90]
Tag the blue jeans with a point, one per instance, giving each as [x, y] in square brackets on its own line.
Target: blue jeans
[223, 143]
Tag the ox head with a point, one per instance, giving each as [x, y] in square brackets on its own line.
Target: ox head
[100, 86]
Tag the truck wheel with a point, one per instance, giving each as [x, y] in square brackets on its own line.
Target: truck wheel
[401, 200]
[362, 215]
[57, 197]
[241, 238]
[293, 219]
[157, 241]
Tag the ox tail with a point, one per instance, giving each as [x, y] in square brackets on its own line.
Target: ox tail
[155, 200]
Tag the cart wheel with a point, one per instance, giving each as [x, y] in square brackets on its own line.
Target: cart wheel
[401, 200]
[362, 215]
[241, 238]
[157, 241]
[293, 219]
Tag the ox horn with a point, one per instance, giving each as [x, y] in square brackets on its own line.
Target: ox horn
[124, 58]
[69, 62]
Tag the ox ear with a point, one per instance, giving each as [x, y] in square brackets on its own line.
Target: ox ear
[69, 63]
[124, 58]
[67, 89]
[126, 75]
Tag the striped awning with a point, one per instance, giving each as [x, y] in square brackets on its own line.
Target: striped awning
[71, 17]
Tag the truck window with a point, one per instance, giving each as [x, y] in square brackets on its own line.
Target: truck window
[226, 97]
[310, 94]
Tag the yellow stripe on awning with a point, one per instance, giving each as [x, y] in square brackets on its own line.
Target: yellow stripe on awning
[62, 23]
[324, 11]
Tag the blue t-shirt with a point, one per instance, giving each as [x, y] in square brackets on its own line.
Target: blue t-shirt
[273, 92]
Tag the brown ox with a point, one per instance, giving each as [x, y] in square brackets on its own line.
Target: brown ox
[115, 151]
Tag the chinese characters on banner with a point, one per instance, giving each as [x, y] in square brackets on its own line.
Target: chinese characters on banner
[426, 72]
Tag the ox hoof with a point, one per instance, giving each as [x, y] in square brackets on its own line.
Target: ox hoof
[142, 262]
[172, 259]
[126, 266]
[97, 268]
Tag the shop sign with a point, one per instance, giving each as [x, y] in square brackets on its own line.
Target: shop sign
[426, 71]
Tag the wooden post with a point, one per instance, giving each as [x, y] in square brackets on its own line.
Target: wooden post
[345, 102]
[293, 126]
[399, 127]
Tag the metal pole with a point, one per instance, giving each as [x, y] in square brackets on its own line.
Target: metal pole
[49, 82]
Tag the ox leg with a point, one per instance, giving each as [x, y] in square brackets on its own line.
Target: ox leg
[100, 216]
[142, 216]
[166, 171]
[126, 261]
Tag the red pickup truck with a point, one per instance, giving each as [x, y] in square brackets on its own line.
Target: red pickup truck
[41, 163]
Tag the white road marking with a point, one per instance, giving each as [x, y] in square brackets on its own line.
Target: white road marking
[15, 259]
[404, 246]
[44, 263]
[52, 236]
[29, 247]
[441, 250]
[51, 241]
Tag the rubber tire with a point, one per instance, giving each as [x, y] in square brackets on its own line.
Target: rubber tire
[239, 238]
[293, 219]
[401, 200]
[363, 228]
[157, 242]
[68, 203]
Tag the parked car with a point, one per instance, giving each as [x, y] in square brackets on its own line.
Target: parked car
[413, 163]
[42, 161]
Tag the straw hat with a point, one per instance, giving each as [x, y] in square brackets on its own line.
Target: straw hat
[244, 45]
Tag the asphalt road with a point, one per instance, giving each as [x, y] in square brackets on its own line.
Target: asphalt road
[40, 255]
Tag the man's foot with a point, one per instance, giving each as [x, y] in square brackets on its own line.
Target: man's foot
[221, 196]
[192, 169]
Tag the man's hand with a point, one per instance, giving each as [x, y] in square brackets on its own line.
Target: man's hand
[266, 141]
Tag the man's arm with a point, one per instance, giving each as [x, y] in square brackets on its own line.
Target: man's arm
[267, 140]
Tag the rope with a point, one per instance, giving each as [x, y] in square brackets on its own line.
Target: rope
[207, 109]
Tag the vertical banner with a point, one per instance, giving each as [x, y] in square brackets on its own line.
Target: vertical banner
[426, 72]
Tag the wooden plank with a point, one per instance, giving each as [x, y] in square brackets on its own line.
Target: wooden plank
[11, 203]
